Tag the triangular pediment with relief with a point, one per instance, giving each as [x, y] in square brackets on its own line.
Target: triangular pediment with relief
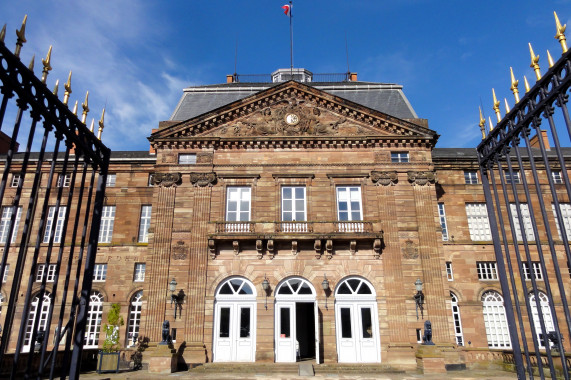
[293, 110]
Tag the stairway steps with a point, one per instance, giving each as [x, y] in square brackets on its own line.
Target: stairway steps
[292, 368]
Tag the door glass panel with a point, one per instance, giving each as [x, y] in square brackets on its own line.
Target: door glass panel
[236, 284]
[346, 322]
[294, 284]
[366, 322]
[305, 289]
[246, 289]
[224, 322]
[364, 289]
[354, 283]
[344, 289]
[284, 289]
[284, 322]
[226, 289]
[245, 322]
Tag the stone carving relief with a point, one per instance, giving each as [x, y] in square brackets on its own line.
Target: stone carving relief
[203, 179]
[166, 179]
[421, 178]
[410, 251]
[384, 178]
[204, 158]
[180, 251]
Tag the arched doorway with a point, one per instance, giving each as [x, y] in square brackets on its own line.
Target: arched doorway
[134, 322]
[495, 320]
[94, 315]
[235, 321]
[296, 321]
[356, 320]
[42, 321]
[547, 318]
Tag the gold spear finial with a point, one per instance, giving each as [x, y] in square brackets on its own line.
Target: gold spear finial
[550, 59]
[514, 85]
[47, 65]
[21, 34]
[496, 106]
[101, 125]
[534, 62]
[526, 83]
[31, 65]
[85, 108]
[507, 106]
[490, 122]
[560, 33]
[92, 125]
[3, 33]
[56, 87]
[482, 124]
[75, 108]
[67, 87]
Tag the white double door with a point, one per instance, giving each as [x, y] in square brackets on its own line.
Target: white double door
[234, 332]
[357, 332]
[289, 342]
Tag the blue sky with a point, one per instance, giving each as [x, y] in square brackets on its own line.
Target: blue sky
[136, 56]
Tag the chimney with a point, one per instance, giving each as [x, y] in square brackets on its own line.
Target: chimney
[534, 142]
[229, 78]
[353, 77]
[151, 149]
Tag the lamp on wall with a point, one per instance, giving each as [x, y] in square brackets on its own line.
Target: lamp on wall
[325, 286]
[266, 286]
[176, 298]
[419, 298]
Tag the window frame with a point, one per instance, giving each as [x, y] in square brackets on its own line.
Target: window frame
[6, 273]
[100, 272]
[49, 273]
[536, 269]
[449, 271]
[527, 224]
[348, 189]
[557, 177]
[16, 178]
[400, 157]
[442, 219]
[487, 270]
[107, 224]
[239, 203]
[471, 177]
[478, 221]
[59, 222]
[63, 180]
[515, 178]
[5, 218]
[144, 223]
[111, 180]
[294, 212]
[139, 271]
[187, 158]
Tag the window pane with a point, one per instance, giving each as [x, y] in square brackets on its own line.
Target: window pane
[366, 322]
[224, 322]
[245, 322]
[284, 322]
[299, 193]
[287, 192]
[287, 205]
[346, 322]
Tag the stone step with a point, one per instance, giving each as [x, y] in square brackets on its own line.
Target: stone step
[333, 368]
[292, 368]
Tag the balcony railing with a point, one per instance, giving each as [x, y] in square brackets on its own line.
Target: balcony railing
[234, 227]
[297, 227]
[353, 227]
[294, 227]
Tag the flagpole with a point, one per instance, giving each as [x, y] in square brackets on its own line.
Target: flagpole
[291, 38]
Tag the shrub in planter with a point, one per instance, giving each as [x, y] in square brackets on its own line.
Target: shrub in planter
[109, 354]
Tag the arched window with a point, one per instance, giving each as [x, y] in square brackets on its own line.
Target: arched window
[457, 321]
[134, 317]
[1, 302]
[235, 287]
[547, 318]
[94, 319]
[295, 287]
[42, 322]
[495, 320]
[353, 287]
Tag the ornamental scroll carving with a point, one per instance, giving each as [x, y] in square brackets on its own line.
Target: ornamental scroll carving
[203, 179]
[409, 251]
[421, 178]
[166, 179]
[384, 178]
[180, 251]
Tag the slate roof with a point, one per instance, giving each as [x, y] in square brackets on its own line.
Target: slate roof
[386, 98]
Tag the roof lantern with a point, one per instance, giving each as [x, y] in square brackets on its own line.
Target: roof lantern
[298, 75]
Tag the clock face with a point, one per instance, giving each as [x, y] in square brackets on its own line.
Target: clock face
[292, 119]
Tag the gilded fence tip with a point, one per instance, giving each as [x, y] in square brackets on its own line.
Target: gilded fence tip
[496, 106]
[47, 65]
[75, 108]
[3, 33]
[85, 108]
[56, 87]
[550, 59]
[92, 125]
[526, 84]
[560, 33]
[101, 125]
[482, 124]
[534, 62]
[514, 85]
[490, 123]
[21, 40]
[31, 65]
[507, 106]
[67, 87]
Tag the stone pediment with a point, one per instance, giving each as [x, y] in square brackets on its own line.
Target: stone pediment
[289, 111]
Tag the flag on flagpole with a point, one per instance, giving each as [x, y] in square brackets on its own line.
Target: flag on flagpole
[287, 9]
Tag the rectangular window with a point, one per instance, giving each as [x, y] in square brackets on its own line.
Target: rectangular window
[57, 227]
[442, 217]
[399, 157]
[187, 159]
[100, 272]
[63, 180]
[418, 335]
[449, 273]
[224, 326]
[293, 204]
[349, 203]
[478, 222]
[284, 322]
[346, 322]
[41, 271]
[145, 223]
[470, 177]
[487, 270]
[537, 273]
[107, 221]
[512, 177]
[139, 274]
[238, 204]
[16, 178]
[173, 335]
[244, 322]
[566, 215]
[5, 276]
[366, 323]
[150, 181]
[111, 179]
[528, 228]
[5, 224]
[556, 175]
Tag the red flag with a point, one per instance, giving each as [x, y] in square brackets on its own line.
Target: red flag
[287, 10]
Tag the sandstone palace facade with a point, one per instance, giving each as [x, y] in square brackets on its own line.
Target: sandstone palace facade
[295, 218]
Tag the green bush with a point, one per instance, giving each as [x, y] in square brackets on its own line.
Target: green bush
[114, 321]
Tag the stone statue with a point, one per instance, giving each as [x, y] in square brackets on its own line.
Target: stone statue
[166, 331]
[427, 337]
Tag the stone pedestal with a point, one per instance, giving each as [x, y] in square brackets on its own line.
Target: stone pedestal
[401, 355]
[194, 353]
[162, 359]
[430, 359]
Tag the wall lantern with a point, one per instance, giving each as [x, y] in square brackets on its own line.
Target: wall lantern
[325, 286]
[266, 287]
[419, 298]
[176, 299]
